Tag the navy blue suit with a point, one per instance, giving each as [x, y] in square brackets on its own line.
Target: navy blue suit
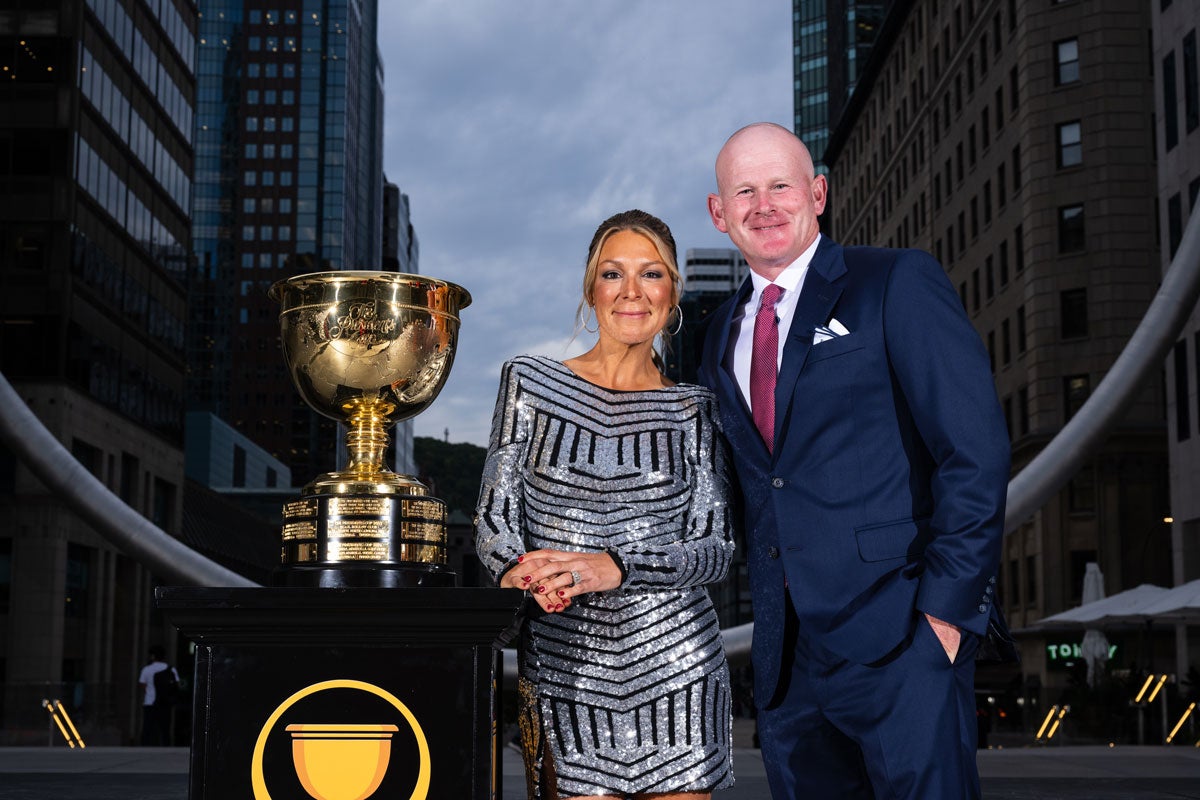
[884, 498]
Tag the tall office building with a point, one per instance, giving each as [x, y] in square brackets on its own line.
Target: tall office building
[400, 254]
[831, 40]
[96, 104]
[289, 180]
[713, 271]
[1014, 139]
[1177, 105]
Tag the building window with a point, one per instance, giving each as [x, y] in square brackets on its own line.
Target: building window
[1003, 262]
[1031, 583]
[1081, 495]
[1066, 61]
[1074, 308]
[1170, 112]
[1016, 167]
[999, 108]
[1001, 185]
[79, 562]
[239, 466]
[1070, 229]
[1014, 582]
[1070, 146]
[974, 217]
[1191, 91]
[1005, 342]
[1019, 248]
[5, 573]
[1174, 222]
[1023, 410]
[1183, 409]
[987, 202]
[1076, 389]
[989, 278]
[975, 290]
[1021, 329]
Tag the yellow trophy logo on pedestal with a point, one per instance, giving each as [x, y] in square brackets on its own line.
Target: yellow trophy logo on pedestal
[341, 762]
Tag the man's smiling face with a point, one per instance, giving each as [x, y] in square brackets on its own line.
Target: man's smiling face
[768, 199]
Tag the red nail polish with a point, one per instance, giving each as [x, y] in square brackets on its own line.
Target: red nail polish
[525, 578]
[520, 559]
[541, 590]
[558, 607]
[561, 593]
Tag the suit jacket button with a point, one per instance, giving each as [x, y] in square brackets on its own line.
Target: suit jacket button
[777, 483]
[983, 608]
[773, 552]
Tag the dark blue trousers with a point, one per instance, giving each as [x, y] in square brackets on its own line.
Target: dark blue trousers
[901, 728]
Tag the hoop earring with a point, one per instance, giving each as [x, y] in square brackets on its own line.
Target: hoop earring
[584, 321]
[678, 321]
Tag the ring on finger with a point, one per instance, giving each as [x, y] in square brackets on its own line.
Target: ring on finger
[575, 578]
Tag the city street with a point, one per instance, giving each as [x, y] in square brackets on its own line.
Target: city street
[1025, 773]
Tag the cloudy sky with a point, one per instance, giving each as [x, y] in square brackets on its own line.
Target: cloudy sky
[516, 128]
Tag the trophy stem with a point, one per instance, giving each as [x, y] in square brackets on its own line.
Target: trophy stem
[366, 443]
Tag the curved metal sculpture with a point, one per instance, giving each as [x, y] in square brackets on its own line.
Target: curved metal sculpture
[135, 535]
[1141, 358]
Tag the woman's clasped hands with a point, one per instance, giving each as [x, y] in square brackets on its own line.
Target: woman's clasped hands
[553, 577]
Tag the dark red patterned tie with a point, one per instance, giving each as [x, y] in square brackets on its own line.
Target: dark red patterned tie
[763, 365]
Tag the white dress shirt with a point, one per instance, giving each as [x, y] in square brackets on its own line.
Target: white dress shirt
[741, 330]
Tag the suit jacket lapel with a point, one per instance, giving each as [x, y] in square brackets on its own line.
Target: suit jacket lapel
[728, 394]
[820, 292]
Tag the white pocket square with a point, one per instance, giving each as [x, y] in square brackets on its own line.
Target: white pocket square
[823, 333]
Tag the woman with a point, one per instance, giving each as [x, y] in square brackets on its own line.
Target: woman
[604, 497]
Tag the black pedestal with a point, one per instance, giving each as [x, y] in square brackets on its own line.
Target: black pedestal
[340, 687]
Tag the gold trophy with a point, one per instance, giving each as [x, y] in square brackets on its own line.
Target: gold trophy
[367, 349]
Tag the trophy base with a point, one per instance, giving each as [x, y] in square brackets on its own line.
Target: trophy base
[367, 575]
[380, 522]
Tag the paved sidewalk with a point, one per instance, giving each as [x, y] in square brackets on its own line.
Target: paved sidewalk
[1024, 773]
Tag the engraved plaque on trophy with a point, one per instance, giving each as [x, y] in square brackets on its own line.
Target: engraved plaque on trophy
[367, 349]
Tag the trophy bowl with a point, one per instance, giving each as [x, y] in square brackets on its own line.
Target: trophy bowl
[367, 349]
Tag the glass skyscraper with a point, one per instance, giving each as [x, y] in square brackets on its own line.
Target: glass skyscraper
[831, 42]
[96, 104]
[289, 179]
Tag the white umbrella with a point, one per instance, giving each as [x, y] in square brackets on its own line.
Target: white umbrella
[1095, 644]
[1181, 604]
[1122, 607]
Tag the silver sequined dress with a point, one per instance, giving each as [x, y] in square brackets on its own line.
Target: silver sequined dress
[629, 688]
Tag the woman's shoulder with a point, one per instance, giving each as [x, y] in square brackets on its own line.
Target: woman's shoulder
[695, 391]
[529, 364]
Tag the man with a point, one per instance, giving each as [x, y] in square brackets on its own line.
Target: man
[156, 716]
[873, 460]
